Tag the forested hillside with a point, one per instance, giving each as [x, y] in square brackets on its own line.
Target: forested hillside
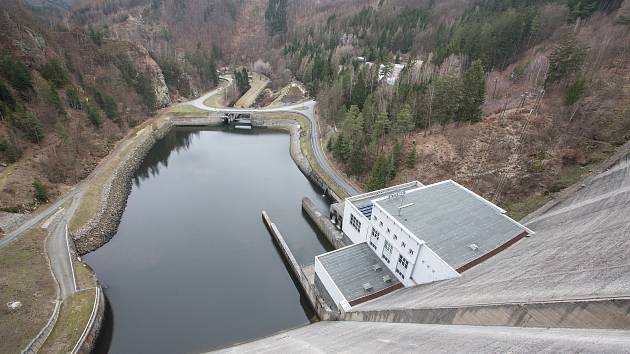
[515, 99]
[68, 92]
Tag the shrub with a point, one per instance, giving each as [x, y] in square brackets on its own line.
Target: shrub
[566, 59]
[6, 97]
[40, 191]
[55, 72]
[11, 151]
[145, 90]
[574, 92]
[73, 99]
[107, 104]
[30, 125]
[18, 74]
[94, 116]
[54, 99]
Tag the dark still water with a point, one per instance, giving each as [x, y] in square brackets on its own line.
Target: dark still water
[192, 266]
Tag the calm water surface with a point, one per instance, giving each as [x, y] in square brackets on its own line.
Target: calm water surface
[192, 266]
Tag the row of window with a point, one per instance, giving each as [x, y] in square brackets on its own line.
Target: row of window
[402, 243]
[403, 262]
[355, 223]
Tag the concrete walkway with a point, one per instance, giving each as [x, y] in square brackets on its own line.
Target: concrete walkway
[367, 337]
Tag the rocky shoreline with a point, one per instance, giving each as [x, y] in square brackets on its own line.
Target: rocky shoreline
[103, 226]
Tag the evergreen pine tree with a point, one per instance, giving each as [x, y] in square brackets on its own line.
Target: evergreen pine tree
[396, 153]
[473, 93]
[378, 177]
[404, 120]
[411, 156]
[357, 159]
[566, 59]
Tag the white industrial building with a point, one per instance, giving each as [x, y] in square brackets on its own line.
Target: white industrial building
[417, 234]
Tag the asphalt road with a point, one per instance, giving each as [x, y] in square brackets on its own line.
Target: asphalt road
[306, 109]
[38, 218]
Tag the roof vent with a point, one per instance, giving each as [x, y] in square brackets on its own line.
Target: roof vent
[367, 286]
[473, 246]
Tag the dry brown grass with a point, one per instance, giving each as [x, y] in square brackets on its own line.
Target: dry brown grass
[25, 277]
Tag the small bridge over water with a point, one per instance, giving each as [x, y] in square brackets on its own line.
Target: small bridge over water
[239, 119]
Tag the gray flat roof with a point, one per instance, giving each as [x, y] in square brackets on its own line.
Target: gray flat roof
[352, 266]
[450, 218]
[365, 199]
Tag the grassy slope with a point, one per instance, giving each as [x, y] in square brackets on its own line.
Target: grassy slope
[73, 317]
[216, 101]
[25, 277]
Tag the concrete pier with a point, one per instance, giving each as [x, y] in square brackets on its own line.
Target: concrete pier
[306, 282]
[336, 238]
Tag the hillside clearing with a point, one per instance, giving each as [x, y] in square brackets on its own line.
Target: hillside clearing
[257, 83]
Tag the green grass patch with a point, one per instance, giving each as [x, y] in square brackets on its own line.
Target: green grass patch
[523, 207]
[25, 277]
[73, 317]
[84, 276]
[185, 110]
[216, 100]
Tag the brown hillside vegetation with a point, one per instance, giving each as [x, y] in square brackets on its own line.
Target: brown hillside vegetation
[59, 129]
[517, 155]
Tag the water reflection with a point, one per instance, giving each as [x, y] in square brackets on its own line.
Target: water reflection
[174, 142]
[192, 267]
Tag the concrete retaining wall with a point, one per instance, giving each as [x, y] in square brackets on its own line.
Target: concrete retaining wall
[610, 314]
[336, 238]
[322, 310]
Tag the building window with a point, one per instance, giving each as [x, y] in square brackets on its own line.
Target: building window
[402, 261]
[411, 252]
[395, 237]
[385, 257]
[375, 234]
[373, 245]
[388, 247]
[403, 244]
[355, 223]
[388, 230]
[375, 218]
[400, 273]
[381, 224]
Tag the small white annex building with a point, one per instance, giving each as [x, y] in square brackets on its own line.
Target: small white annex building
[420, 234]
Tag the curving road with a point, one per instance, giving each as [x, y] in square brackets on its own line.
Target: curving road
[306, 109]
